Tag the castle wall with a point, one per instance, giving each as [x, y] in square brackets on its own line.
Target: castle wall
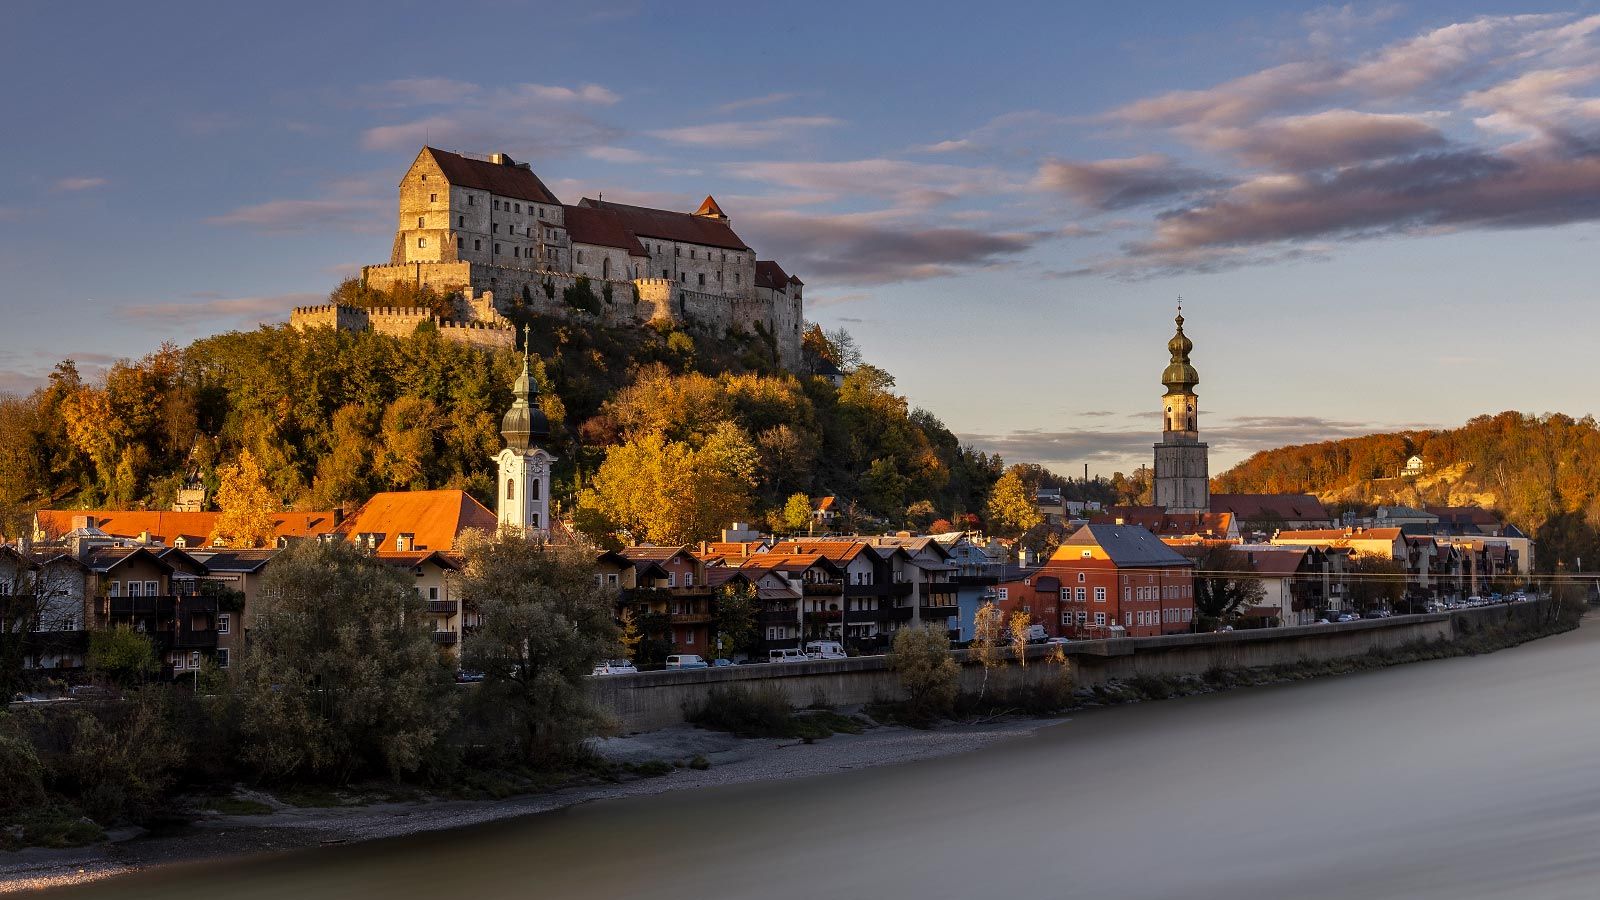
[441, 222]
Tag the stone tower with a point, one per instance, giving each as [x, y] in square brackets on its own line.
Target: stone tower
[1182, 480]
[523, 487]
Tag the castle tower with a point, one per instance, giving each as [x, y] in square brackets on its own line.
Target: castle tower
[1182, 480]
[523, 488]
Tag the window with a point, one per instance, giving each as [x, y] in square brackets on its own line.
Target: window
[611, 578]
[422, 242]
[177, 660]
[224, 622]
[1100, 595]
[516, 252]
[541, 212]
[1083, 617]
[688, 636]
[664, 274]
[433, 593]
[222, 657]
[511, 489]
[1080, 578]
[533, 489]
[497, 248]
[495, 228]
[477, 245]
[1066, 618]
[688, 579]
[113, 589]
[677, 251]
[672, 579]
[461, 221]
[459, 243]
[580, 257]
[1066, 593]
[518, 207]
[470, 200]
[1100, 618]
[1127, 618]
[433, 198]
[736, 278]
[1081, 595]
[497, 204]
[702, 279]
[1003, 593]
[422, 221]
[133, 589]
[1127, 594]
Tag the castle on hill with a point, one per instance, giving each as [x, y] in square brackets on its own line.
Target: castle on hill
[488, 229]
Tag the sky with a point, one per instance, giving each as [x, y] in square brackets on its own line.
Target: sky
[1378, 216]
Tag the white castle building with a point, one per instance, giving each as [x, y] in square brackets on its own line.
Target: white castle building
[489, 226]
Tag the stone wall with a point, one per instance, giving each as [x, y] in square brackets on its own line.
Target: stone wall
[652, 700]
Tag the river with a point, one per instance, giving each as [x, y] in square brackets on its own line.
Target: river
[1472, 777]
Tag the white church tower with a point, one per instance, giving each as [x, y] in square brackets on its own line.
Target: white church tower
[524, 483]
[1182, 482]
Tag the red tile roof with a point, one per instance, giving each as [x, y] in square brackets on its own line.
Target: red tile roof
[436, 519]
[1291, 507]
[601, 228]
[507, 179]
[167, 527]
[770, 275]
[709, 207]
[672, 226]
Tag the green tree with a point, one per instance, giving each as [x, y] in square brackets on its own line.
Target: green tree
[342, 678]
[544, 625]
[1225, 584]
[927, 672]
[1374, 581]
[122, 655]
[735, 619]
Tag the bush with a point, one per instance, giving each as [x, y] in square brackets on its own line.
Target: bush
[21, 773]
[928, 674]
[121, 759]
[760, 712]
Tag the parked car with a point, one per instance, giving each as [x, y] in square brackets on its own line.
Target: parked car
[468, 677]
[825, 650]
[1345, 617]
[686, 661]
[719, 663]
[1058, 640]
[788, 655]
[616, 667]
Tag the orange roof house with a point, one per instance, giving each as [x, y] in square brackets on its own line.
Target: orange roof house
[170, 529]
[410, 521]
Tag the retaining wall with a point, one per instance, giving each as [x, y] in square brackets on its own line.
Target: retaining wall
[657, 699]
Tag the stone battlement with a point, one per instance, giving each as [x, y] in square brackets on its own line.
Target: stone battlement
[485, 328]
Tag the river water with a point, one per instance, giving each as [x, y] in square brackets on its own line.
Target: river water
[1473, 777]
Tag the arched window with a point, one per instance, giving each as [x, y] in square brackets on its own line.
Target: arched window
[605, 267]
[511, 489]
[533, 489]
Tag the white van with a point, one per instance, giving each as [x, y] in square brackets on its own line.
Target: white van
[825, 650]
[686, 661]
[790, 655]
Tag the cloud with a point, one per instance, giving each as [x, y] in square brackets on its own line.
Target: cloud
[351, 204]
[763, 100]
[238, 310]
[620, 155]
[80, 183]
[908, 184]
[524, 119]
[1330, 138]
[865, 249]
[1109, 184]
[746, 134]
[951, 146]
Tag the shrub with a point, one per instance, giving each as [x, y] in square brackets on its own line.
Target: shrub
[21, 774]
[929, 676]
[760, 712]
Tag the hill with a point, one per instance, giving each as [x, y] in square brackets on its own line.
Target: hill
[1540, 473]
[333, 417]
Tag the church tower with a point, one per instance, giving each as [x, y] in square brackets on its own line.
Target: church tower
[1182, 482]
[524, 483]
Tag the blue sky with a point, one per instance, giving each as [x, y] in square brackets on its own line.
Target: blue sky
[1380, 215]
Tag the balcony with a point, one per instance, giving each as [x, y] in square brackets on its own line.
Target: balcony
[694, 618]
[445, 638]
[942, 589]
[778, 618]
[443, 607]
[822, 589]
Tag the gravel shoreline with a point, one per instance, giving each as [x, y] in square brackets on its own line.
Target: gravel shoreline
[733, 761]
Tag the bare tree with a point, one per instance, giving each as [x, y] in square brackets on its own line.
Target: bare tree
[39, 602]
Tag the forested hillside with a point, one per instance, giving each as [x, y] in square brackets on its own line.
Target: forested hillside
[698, 431]
[1541, 473]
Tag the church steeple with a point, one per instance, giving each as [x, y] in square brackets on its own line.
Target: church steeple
[1182, 482]
[522, 488]
[1180, 377]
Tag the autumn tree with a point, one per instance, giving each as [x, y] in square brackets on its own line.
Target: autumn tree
[795, 516]
[544, 624]
[1019, 624]
[628, 633]
[1374, 581]
[671, 492]
[1011, 510]
[927, 672]
[1225, 583]
[246, 507]
[342, 678]
[988, 641]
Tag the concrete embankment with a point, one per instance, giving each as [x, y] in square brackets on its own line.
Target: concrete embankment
[652, 700]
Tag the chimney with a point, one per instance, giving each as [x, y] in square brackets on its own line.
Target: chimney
[338, 516]
[82, 522]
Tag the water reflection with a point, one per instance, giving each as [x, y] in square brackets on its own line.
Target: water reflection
[1475, 777]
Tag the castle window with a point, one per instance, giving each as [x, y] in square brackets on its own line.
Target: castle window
[433, 198]
[511, 489]
[496, 248]
[516, 251]
[580, 257]
[422, 221]
[541, 212]
[664, 274]
[691, 253]
[477, 245]
[495, 228]
[497, 204]
[702, 277]
[736, 278]
[517, 207]
[471, 200]
[683, 277]
[458, 243]
[422, 242]
[677, 251]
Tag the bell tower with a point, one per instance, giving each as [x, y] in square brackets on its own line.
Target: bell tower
[523, 488]
[1182, 477]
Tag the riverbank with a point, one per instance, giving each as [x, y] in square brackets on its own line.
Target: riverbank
[731, 761]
